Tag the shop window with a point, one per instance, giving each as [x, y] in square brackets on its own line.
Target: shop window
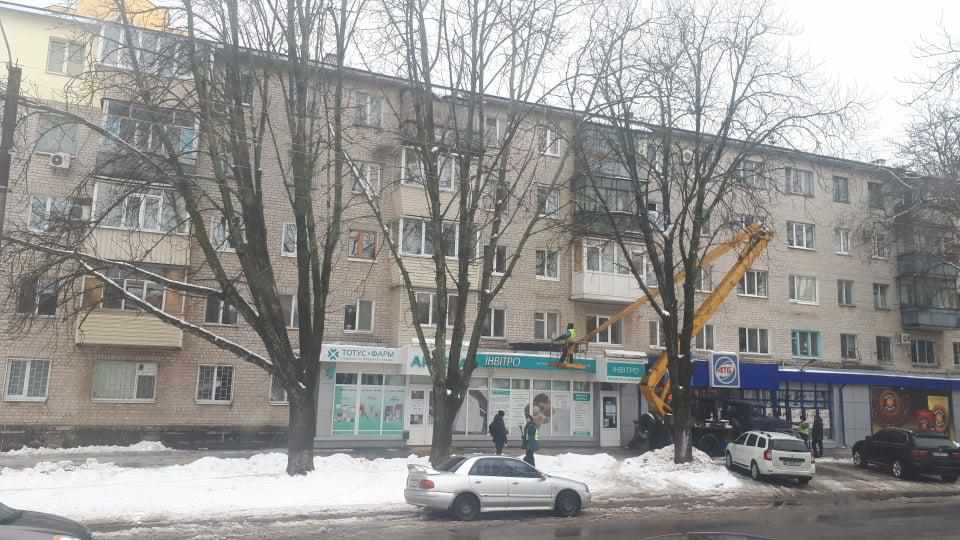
[368, 404]
[124, 381]
[476, 413]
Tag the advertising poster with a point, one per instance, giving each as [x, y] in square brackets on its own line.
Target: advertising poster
[501, 402]
[519, 403]
[542, 410]
[393, 410]
[370, 409]
[476, 406]
[582, 415]
[562, 413]
[912, 409]
[344, 410]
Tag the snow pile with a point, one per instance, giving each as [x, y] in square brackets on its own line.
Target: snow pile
[143, 446]
[214, 487]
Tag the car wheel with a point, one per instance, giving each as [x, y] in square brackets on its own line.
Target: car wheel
[466, 507]
[898, 469]
[729, 460]
[948, 478]
[755, 471]
[803, 480]
[568, 503]
[858, 459]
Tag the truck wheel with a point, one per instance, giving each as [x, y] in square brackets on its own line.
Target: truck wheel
[466, 507]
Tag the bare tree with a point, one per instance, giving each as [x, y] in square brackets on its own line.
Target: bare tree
[690, 96]
[270, 113]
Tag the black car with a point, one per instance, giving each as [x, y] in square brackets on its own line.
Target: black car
[26, 525]
[908, 453]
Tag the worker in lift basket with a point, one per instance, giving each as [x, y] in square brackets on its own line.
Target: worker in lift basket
[567, 339]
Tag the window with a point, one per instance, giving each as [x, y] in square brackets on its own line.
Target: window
[358, 317]
[499, 260]
[291, 311]
[754, 283]
[27, 380]
[803, 289]
[151, 52]
[415, 237]
[288, 241]
[220, 235]
[427, 308]
[956, 354]
[799, 182]
[841, 241]
[129, 207]
[37, 297]
[705, 279]
[363, 244]
[605, 194]
[845, 292]
[548, 143]
[491, 132]
[704, 339]
[219, 311]
[124, 381]
[752, 440]
[548, 201]
[923, 352]
[608, 258]
[880, 296]
[65, 57]
[448, 170]
[613, 335]
[370, 174]
[215, 384]
[369, 110]
[56, 134]
[751, 173]
[546, 325]
[489, 467]
[48, 212]
[801, 235]
[494, 323]
[884, 350]
[112, 298]
[149, 130]
[548, 264]
[658, 339]
[278, 394]
[841, 189]
[875, 195]
[411, 167]
[881, 247]
[754, 340]
[805, 343]
[848, 347]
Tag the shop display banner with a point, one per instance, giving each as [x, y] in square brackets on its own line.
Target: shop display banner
[918, 410]
[344, 410]
[582, 415]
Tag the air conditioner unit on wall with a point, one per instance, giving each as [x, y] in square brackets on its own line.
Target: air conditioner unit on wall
[60, 160]
[904, 339]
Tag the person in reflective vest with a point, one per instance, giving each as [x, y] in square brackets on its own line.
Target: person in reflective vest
[567, 339]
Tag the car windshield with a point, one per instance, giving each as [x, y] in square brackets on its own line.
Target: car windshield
[452, 464]
[789, 445]
[934, 442]
[8, 514]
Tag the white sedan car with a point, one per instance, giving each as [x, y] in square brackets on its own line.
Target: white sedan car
[468, 485]
[771, 454]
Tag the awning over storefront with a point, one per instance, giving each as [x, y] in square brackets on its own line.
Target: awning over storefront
[337, 352]
[415, 364]
[866, 378]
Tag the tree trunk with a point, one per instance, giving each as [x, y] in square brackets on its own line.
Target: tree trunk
[300, 432]
[682, 426]
[445, 412]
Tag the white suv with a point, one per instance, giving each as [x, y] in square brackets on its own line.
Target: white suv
[771, 454]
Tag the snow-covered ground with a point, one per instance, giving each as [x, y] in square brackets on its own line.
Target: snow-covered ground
[143, 446]
[222, 487]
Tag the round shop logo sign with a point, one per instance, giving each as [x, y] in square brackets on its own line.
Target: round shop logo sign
[725, 370]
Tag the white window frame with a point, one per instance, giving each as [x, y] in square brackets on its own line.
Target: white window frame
[845, 293]
[750, 172]
[705, 279]
[753, 276]
[113, 124]
[365, 101]
[424, 225]
[801, 235]
[548, 141]
[845, 345]
[182, 228]
[40, 285]
[551, 201]
[274, 381]
[212, 400]
[547, 253]
[496, 142]
[496, 268]
[813, 336]
[609, 331]
[136, 384]
[929, 352]
[841, 181]
[544, 318]
[371, 174]
[356, 321]
[433, 300]
[448, 171]
[491, 319]
[704, 339]
[655, 334]
[123, 283]
[799, 181]
[7, 396]
[288, 228]
[841, 241]
[884, 303]
[793, 283]
[70, 51]
[761, 344]
[219, 322]
[619, 259]
[881, 246]
[220, 235]
[410, 157]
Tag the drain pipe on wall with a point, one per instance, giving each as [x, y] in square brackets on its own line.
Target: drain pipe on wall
[843, 422]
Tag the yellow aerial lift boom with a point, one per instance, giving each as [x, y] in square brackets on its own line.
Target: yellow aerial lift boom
[657, 394]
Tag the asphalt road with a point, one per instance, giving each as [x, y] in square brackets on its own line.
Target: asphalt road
[919, 518]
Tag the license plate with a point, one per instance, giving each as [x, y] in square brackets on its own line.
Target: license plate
[792, 462]
[939, 454]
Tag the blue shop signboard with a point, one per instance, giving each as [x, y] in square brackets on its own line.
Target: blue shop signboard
[724, 370]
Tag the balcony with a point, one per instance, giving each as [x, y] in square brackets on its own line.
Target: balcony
[929, 318]
[605, 288]
[140, 246]
[926, 264]
[116, 328]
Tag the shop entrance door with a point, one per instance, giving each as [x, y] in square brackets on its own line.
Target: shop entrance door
[419, 421]
[609, 419]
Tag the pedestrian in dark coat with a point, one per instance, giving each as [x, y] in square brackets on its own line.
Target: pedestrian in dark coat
[817, 435]
[498, 432]
[530, 441]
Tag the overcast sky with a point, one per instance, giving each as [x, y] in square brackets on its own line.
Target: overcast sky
[866, 45]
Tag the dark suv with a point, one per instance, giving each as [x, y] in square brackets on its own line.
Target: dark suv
[908, 453]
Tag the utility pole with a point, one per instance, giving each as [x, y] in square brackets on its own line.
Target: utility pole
[7, 131]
